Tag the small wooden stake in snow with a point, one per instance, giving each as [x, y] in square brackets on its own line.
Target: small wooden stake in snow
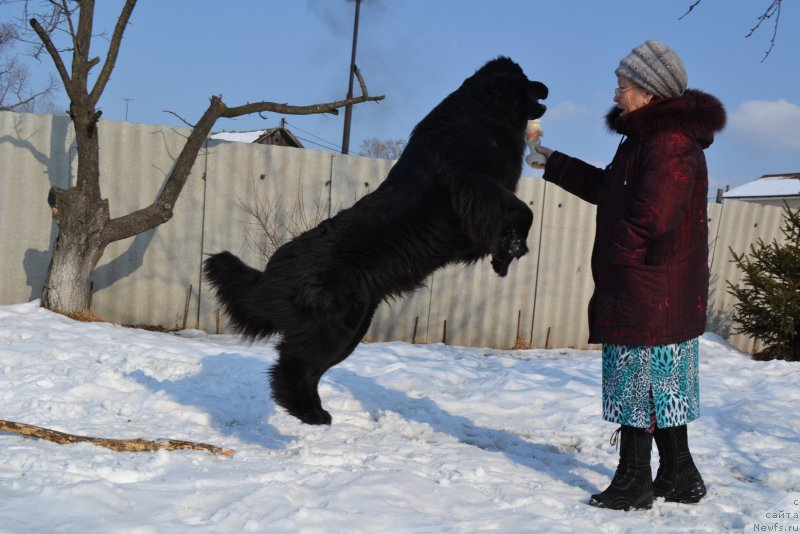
[122, 445]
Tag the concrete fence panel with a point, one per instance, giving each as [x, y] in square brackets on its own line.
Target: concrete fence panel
[472, 305]
[35, 151]
[741, 224]
[287, 189]
[563, 281]
[155, 278]
[151, 278]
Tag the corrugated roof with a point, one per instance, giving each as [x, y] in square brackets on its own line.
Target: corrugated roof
[768, 186]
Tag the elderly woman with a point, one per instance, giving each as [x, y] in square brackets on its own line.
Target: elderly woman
[650, 269]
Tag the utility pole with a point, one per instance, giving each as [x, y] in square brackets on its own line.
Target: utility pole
[348, 112]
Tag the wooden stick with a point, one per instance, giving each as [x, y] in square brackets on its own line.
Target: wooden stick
[122, 445]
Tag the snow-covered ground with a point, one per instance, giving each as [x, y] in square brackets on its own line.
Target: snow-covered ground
[425, 438]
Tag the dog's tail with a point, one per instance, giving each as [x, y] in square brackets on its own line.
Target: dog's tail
[234, 283]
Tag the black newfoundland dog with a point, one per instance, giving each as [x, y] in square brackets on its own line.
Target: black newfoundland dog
[449, 198]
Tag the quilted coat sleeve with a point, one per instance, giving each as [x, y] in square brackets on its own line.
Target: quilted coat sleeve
[668, 169]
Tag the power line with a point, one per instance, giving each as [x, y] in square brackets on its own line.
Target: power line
[330, 144]
[296, 127]
[335, 149]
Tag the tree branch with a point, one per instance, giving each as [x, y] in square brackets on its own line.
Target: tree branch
[256, 107]
[122, 445]
[82, 39]
[113, 51]
[161, 209]
[773, 9]
[691, 7]
[28, 100]
[63, 6]
[361, 81]
[184, 121]
[776, 4]
[51, 49]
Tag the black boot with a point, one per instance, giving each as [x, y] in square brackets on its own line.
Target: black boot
[632, 486]
[677, 479]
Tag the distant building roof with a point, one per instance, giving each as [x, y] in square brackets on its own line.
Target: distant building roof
[240, 137]
[271, 136]
[768, 186]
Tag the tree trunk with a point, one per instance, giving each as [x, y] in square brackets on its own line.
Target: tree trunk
[67, 287]
[79, 246]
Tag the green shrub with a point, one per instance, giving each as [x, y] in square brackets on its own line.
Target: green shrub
[768, 305]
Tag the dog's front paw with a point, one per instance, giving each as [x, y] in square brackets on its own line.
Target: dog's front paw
[513, 244]
[500, 264]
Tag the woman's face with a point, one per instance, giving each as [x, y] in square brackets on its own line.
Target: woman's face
[630, 96]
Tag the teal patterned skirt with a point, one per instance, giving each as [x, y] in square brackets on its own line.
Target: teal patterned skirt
[667, 374]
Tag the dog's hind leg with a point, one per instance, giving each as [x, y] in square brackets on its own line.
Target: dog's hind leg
[294, 381]
[349, 345]
[304, 359]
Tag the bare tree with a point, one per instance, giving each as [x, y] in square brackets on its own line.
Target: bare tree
[85, 226]
[271, 223]
[772, 10]
[16, 93]
[382, 148]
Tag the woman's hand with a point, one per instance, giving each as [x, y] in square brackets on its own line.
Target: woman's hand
[544, 151]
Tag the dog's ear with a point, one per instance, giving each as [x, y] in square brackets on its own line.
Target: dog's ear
[538, 90]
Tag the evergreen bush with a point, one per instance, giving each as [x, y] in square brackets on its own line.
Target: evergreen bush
[768, 305]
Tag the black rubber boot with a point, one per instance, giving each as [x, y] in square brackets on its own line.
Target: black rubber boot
[677, 479]
[632, 486]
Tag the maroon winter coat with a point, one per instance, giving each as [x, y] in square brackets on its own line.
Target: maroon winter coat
[650, 255]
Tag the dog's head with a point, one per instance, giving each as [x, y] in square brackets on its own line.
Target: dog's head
[503, 81]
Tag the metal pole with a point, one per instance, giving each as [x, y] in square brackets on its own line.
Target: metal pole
[348, 112]
[127, 102]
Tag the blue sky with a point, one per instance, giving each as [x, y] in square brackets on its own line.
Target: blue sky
[176, 54]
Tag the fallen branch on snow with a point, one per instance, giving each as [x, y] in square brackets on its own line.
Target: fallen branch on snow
[122, 445]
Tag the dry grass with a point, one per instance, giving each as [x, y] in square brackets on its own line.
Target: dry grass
[521, 344]
[86, 316]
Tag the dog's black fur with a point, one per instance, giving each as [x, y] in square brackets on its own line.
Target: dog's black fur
[449, 198]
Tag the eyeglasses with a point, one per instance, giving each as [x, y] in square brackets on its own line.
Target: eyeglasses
[619, 90]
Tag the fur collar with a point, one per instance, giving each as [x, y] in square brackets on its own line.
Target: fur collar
[696, 114]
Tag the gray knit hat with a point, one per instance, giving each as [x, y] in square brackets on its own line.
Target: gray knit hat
[656, 68]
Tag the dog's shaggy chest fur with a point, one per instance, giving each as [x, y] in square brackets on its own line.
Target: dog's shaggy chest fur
[449, 198]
